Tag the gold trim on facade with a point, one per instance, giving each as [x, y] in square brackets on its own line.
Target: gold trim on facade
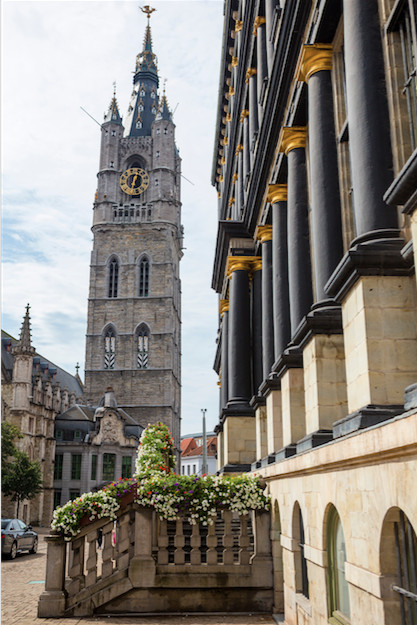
[258, 22]
[238, 26]
[314, 58]
[292, 137]
[251, 71]
[231, 201]
[243, 263]
[231, 90]
[257, 264]
[223, 306]
[239, 148]
[277, 193]
[222, 161]
[235, 61]
[263, 233]
[244, 113]
[235, 177]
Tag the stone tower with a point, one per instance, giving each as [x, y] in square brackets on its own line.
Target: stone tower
[134, 311]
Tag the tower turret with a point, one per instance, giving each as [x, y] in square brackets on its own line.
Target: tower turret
[23, 354]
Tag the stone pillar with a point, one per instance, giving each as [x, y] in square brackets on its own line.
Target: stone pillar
[277, 196]
[293, 406]
[274, 421]
[369, 126]
[240, 178]
[253, 109]
[259, 31]
[224, 389]
[52, 600]
[292, 142]
[270, 8]
[257, 325]
[315, 69]
[261, 432]
[239, 344]
[265, 236]
[142, 567]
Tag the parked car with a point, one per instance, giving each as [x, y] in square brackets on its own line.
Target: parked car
[16, 536]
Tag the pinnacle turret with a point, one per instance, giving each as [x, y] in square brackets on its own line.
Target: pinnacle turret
[24, 345]
[163, 110]
[113, 114]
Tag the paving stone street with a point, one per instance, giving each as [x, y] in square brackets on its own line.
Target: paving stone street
[22, 581]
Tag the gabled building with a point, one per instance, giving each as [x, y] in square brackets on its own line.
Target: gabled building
[315, 166]
[192, 454]
[34, 392]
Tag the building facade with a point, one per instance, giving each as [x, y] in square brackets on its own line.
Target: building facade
[34, 391]
[192, 454]
[94, 446]
[134, 310]
[315, 169]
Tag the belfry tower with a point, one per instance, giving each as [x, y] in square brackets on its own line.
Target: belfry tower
[134, 311]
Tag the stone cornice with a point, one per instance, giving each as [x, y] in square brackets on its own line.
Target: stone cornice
[292, 137]
[277, 193]
[314, 58]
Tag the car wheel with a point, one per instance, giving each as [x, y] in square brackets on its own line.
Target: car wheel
[13, 550]
[34, 546]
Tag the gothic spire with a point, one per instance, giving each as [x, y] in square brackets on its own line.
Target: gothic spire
[163, 110]
[113, 114]
[24, 345]
[144, 100]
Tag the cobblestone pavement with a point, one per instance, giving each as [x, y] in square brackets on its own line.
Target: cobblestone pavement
[22, 581]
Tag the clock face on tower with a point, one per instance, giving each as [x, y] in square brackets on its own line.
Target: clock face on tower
[134, 181]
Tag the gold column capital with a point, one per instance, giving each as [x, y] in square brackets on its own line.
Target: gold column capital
[314, 58]
[231, 201]
[258, 22]
[292, 137]
[244, 113]
[257, 263]
[277, 193]
[251, 71]
[219, 195]
[235, 177]
[238, 25]
[223, 306]
[235, 61]
[222, 161]
[264, 233]
[245, 263]
[239, 148]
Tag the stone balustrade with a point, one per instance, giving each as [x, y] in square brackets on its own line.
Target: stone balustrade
[145, 564]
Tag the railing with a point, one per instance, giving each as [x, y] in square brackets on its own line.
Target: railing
[132, 213]
[145, 564]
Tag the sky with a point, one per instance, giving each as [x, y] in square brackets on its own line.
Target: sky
[56, 58]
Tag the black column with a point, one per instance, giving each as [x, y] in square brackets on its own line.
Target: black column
[246, 147]
[271, 6]
[265, 235]
[369, 127]
[281, 303]
[324, 176]
[224, 394]
[257, 319]
[299, 262]
[239, 345]
[253, 108]
[262, 63]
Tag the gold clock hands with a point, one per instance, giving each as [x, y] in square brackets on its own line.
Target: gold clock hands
[134, 180]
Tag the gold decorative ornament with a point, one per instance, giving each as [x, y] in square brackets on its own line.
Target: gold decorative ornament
[231, 90]
[219, 195]
[257, 264]
[235, 61]
[238, 263]
[228, 118]
[292, 137]
[277, 193]
[238, 25]
[251, 71]
[264, 233]
[134, 181]
[235, 177]
[243, 114]
[258, 22]
[239, 148]
[314, 58]
[148, 10]
[223, 306]
[222, 161]
[231, 201]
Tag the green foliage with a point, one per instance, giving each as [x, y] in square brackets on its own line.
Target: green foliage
[9, 433]
[66, 519]
[23, 479]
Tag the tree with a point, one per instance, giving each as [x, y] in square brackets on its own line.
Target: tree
[9, 433]
[23, 479]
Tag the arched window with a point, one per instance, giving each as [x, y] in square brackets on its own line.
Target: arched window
[301, 572]
[144, 277]
[338, 586]
[142, 338]
[113, 278]
[109, 349]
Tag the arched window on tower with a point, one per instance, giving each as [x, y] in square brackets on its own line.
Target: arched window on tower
[113, 278]
[142, 337]
[144, 277]
[109, 349]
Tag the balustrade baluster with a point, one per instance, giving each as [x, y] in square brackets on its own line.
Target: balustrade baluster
[107, 566]
[122, 542]
[195, 555]
[179, 542]
[163, 541]
[244, 540]
[212, 543]
[228, 537]
[76, 571]
[91, 563]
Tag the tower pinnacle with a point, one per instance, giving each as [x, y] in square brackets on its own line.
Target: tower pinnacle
[24, 345]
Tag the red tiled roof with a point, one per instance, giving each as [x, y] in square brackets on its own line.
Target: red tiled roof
[198, 451]
[187, 444]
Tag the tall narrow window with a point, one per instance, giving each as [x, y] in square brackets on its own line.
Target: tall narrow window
[126, 466]
[76, 466]
[109, 465]
[58, 466]
[143, 347]
[113, 278]
[304, 575]
[109, 349]
[144, 277]
[94, 467]
[406, 586]
[338, 586]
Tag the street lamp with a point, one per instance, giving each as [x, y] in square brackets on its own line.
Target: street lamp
[204, 468]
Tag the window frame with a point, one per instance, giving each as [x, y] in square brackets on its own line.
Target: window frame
[76, 465]
[126, 463]
[336, 617]
[113, 278]
[58, 466]
[106, 458]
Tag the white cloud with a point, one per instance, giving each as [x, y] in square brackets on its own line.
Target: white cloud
[58, 57]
